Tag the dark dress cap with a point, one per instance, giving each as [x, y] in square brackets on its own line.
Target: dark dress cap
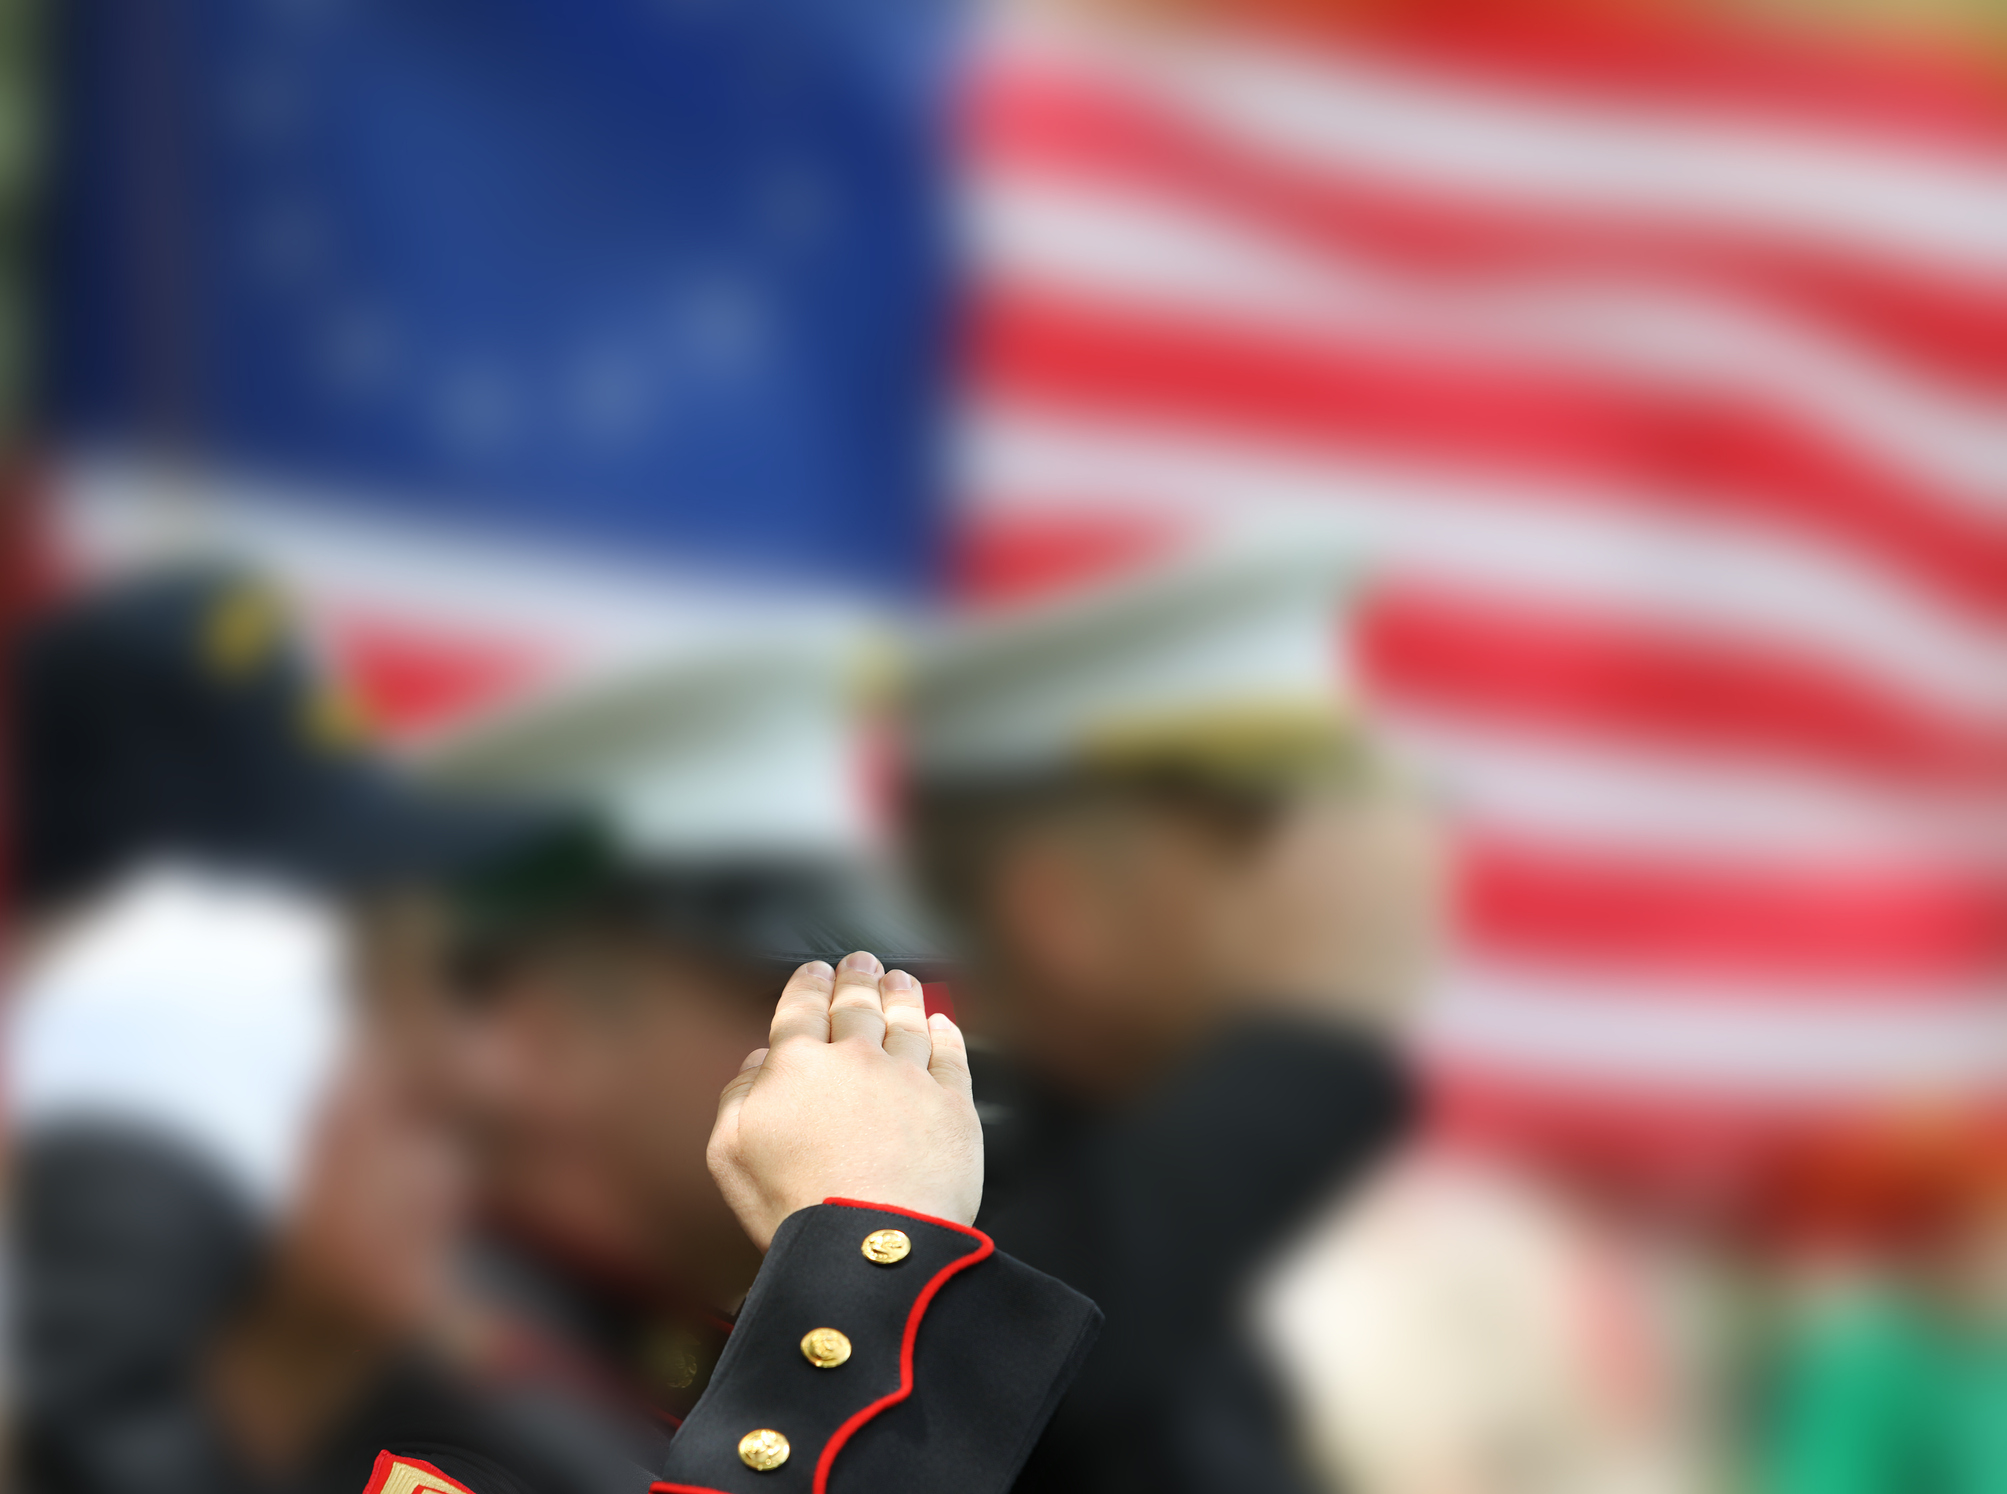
[181, 714]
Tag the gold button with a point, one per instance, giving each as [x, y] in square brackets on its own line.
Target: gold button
[825, 1348]
[763, 1449]
[887, 1247]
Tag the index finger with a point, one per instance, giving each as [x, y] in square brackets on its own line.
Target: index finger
[802, 1015]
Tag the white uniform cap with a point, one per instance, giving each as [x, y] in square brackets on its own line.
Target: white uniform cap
[1236, 654]
[207, 1011]
[758, 749]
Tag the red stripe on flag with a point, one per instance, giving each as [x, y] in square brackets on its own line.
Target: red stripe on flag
[1512, 661]
[1698, 451]
[1868, 926]
[1699, 1151]
[1712, 1155]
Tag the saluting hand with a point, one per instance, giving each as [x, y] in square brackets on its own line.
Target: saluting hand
[858, 1095]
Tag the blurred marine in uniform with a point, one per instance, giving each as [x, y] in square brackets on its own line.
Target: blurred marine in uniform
[1192, 905]
[618, 986]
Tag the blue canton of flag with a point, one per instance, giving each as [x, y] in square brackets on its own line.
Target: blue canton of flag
[666, 276]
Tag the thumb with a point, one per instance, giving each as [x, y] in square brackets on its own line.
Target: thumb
[732, 1098]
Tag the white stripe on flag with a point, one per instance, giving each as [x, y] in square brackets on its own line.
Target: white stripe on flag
[1755, 1041]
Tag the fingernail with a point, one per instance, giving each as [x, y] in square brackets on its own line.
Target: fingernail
[940, 1019]
[818, 968]
[863, 960]
[899, 980]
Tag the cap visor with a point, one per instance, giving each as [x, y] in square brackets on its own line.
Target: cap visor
[791, 915]
[378, 831]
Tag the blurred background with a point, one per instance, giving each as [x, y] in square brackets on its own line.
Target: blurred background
[1619, 387]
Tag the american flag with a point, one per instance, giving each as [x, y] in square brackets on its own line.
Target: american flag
[1659, 377]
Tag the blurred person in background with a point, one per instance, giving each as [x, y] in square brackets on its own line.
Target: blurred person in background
[238, 1187]
[1463, 1328]
[619, 985]
[1192, 916]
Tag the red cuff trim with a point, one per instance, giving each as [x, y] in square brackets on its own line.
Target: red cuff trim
[985, 1249]
[428, 1477]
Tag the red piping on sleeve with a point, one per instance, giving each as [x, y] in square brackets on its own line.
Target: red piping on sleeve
[386, 1464]
[920, 1305]
[987, 1248]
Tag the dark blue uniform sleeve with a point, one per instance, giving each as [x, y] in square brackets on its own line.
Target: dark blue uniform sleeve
[950, 1360]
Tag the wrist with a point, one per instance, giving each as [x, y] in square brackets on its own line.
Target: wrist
[966, 1224]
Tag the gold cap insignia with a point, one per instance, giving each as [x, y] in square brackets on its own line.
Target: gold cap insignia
[242, 632]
